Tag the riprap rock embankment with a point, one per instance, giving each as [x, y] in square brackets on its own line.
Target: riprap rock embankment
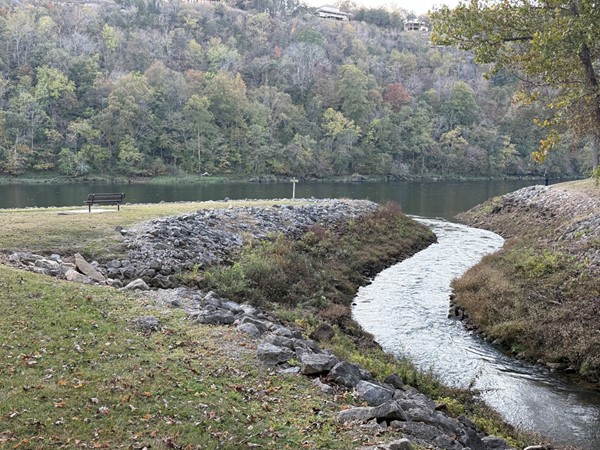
[158, 251]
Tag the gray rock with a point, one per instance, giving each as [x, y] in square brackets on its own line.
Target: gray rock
[249, 310]
[147, 323]
[272, 355]
[443, 441]
[374, 393]
[279, 341]
[401, 444]
[117, 284]
[412, 398]
[113, 264]
[495, 443]
[417, 430]
[260, 324]
[51, 266]
[306, 344]
[395, 380]
[40, 270]
[73, 275]
[447, 424]
[281, 331]
[127, 272]
[162, 282]
[65, 267]
[249, 328]
[345, 374]
[232, 306]
[217, 317]
[365, 375]
[212, 298]
[317, 363]
[355, 414]
[389, 411]
[24, 257]
[324, 332]
[138, 284]
[87, 269]
[419, 415]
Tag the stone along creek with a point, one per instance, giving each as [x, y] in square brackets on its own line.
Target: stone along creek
[406, 309]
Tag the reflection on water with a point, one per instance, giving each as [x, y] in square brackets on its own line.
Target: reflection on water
[406, 309]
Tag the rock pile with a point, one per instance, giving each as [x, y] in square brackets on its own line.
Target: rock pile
[161, 249]
[570, 216]
[390, 404]
[79, 270]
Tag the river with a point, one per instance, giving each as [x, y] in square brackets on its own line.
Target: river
[406, 306]
[427, 199]
[406, 309]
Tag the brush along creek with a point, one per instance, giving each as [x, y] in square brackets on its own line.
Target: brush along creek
[160, 250]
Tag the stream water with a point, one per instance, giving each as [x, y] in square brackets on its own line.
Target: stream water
[406, 309]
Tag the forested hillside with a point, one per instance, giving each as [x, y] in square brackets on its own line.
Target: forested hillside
[145, 88]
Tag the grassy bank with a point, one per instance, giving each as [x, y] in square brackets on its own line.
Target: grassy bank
[537, 296]
[78, 373]
[72, 229]
[321, 271]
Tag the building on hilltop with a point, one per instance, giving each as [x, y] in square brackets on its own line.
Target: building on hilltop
[415, 25]
[331, 12]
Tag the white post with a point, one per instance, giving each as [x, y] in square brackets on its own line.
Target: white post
[294, 181]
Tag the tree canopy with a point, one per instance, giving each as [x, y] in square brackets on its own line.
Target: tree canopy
[553, 46]
[253, 88]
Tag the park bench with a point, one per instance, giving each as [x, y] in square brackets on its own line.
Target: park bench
[105, 199]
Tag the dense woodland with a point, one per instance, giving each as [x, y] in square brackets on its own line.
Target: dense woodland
[252, 88]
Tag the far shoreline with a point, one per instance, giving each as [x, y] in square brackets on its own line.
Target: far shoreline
[266, 179]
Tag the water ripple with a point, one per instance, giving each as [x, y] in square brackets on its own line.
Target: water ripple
[406, 309]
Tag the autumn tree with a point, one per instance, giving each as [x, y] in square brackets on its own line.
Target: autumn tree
[547, 43]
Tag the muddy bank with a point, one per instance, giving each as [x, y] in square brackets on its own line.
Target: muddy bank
[539, 297]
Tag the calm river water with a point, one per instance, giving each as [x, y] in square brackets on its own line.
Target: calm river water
[428, 199]
[406, 305]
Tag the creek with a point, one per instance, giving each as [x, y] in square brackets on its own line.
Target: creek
[406, 309]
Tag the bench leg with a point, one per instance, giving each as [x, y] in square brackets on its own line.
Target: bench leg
[118, 207]
[89, 207]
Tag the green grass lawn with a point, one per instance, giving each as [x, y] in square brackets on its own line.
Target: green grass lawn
[77, 373]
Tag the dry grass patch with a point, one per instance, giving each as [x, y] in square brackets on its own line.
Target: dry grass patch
[56, 230]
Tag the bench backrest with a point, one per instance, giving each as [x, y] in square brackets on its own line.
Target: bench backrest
[117, 197]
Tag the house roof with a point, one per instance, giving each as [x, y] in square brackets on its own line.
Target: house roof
[332, 10]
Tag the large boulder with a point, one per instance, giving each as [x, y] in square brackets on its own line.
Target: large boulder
[73, 275]
[271, 355]
[317, 363]
[388, 412]
[374, 393]
[216, 317]
[346, 374]
[87, 269]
